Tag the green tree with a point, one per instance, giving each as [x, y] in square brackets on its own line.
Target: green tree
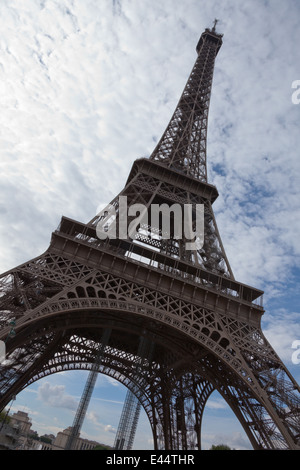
[220, 447]
[102, 447]
[4, 417]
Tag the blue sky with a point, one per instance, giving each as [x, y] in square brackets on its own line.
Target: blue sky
[89, 86]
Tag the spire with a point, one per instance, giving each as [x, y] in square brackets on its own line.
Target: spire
[214, 26]
[183, 144]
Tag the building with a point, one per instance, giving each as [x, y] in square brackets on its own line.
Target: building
[9, 437]
[18, 435]
[61, 439]
[22, 421]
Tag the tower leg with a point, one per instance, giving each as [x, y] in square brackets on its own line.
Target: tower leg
[131, 409]
[87, 393]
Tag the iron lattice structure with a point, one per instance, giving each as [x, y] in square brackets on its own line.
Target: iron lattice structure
[87, 393]
[205, 327]
[131, 409]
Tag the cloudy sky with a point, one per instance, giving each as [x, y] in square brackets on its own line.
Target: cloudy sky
[88, 86]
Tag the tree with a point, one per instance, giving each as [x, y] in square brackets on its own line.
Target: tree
[220, 447]
[102, 447]
[4, 417]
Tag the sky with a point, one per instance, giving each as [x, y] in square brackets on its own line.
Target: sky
[88, 86]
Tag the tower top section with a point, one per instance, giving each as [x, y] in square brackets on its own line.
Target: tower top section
[210, 35]
[182, 147]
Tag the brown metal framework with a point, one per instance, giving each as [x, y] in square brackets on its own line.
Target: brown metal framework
[205, 327]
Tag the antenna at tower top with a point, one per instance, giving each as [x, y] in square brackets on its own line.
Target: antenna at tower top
[214, 26]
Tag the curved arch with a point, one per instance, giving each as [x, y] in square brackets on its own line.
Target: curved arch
[207, 337]
[134, 386]
[59, 320]
[60, 315]
[195, 402]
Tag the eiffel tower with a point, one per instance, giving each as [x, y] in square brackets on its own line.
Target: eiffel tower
[204, 327]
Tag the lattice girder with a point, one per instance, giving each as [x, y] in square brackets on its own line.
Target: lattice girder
[152, 183]
[228, 340]
[183, 144]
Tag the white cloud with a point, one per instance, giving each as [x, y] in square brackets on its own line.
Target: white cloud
[281, 330]
[234, 440]
[216, 404]
[109, 428]
[25, 409]
[55, 396]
